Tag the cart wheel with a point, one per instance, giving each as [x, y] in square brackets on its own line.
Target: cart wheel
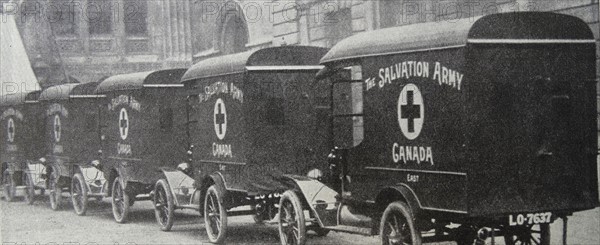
[398, 225]
[29, 188]
[537, 234]
[120, 201]
[163, 205]
[55, 195]
[79, 194]
[215, 215]
[8, 185]
[292, 227]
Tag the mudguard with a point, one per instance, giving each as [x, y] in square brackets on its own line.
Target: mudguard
[399, 192]
[182, 187]
[37, 171]
[320, 199]
[94, 178]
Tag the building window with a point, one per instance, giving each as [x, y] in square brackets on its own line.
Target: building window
[62, 17]
[390, 13]
[136, 13]
[338, 25]
[99, 17]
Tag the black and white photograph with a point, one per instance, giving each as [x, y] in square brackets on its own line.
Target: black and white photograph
[293, 122]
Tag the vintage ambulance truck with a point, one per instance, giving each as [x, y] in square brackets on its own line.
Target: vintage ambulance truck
[72, 141]
[456, 131]
[253, 117]
[142, 129]
[21, 145]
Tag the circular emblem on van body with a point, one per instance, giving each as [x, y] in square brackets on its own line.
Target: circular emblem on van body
[220, 119]
[57, 128]
[123, 124]
[10, 129]
[411, 111]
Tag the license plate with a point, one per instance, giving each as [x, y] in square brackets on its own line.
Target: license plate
[529, 219]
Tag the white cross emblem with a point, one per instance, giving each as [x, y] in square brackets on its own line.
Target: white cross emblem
[123, 124]
[220, 118]
[411, 111]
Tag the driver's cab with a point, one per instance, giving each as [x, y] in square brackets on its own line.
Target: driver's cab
[346, 88]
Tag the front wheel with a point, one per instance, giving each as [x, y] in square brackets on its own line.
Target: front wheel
[79, 194]
[55, 195]
[29, 188]
[398, 226]
[527, 235]
[163, 205]
[215, 215]
[120, 201]
[8, 186]
[292, 226]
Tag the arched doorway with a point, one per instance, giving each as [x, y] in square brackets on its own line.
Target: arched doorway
[232, 31]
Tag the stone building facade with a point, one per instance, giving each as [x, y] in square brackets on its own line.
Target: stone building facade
[96, 38]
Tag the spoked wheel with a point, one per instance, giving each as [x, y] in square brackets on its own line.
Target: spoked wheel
[528, 235]
[55, 195]
[29, 188]
[79, 194]
[215, 215]
[292, 226]
[163, 205]
[398, 226]
[120, 201]
[8, 185]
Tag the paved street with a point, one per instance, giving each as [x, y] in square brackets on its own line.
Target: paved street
[37, 224]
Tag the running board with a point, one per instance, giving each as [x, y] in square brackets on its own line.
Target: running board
[350, 229]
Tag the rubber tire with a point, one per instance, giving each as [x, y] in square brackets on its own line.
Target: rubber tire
[162, 189]
[78, 182]
[291, 198]
[220, 237]
[8, 186]
[29, 197]
[117, 187]
[402, 209]
[55, 194]
[544, 236]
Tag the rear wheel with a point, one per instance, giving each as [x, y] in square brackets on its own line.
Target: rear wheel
[528, 235]
[79, 194]
[29, 188]
[398, 226]
[8, 186]
[292, 226]
[163, 205]
[120, 201]
[55, 195]
[215, 215]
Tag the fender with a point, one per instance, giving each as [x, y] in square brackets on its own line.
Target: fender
[181, 186]
[400, 192]
[38, 173]
[206, 182]
[317, 196]
[90, 176]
